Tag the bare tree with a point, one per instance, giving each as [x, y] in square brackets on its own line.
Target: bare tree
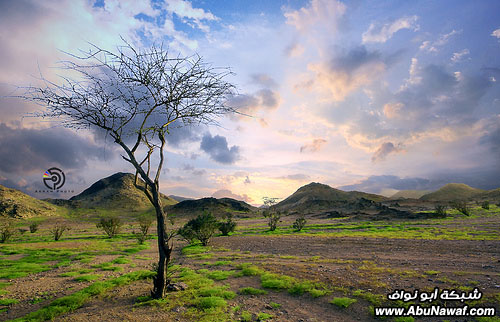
[136, 97]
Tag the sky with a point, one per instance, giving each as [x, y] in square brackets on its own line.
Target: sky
[375, 96]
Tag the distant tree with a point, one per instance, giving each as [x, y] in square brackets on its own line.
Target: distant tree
[228, 225]
[110, 225]
[34, 227]
[58, 229]
[462, 207]
[271, 213]
[202, 228]
[299, 223]
[440, 211]
[7, 230]
[485, 205]
[145, 223]
[136, 97]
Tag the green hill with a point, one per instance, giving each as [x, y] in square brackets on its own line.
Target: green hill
[215, 206]
[16, 204]
[116, 192]
[317, 196]
[452, 191]
[409, 194]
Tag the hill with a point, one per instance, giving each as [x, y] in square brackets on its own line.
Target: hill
[452, 191]
[179, 198]
[316, 196]
[116, 191]
[409, 194]
[213, 205]
[490, 195]
[16, 204]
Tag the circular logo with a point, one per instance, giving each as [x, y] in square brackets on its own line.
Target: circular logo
[54, 178]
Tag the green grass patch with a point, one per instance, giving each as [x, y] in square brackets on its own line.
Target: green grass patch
[317, 293]
[370, 297]
[121, 260]
[5, 302]
[432, 272]
[275, 281]
[299, 288]
[275, 305]
[264, 316]
[219, 291]
[343, 302]
[76, 300]
[194, 249]
[248, 269]
[211, 302]
[246, 316]
[219, 275]
[251, 291]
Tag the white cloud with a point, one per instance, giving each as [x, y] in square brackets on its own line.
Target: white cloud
[460, 55]
[496, 33]
[382, 33]
[432, 47]
[323, 12]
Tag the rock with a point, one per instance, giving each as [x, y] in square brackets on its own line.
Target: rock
[174, 287]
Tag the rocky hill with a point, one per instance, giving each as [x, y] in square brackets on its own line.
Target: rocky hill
[16, 204]
[316, 197]
[116, 191]
[453, 191]
[215, 206]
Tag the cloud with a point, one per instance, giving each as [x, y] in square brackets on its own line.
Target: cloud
[347, 72]
[263, 100]
[294, 50]
[185, 10]
[393, 110]
[314, 146]
[225, 193]
[319, 13]
[183, 134]
[218, 150]
[457, 57]
[384, 150]
[432, 47]
[264, 80]
[381, 33]
[496, 33]
[297, 177]
[24, 150]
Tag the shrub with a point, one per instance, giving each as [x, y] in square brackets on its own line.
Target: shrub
[144, 225]
[202, 228]
[34, 227]
[58, 230]
[273, 217]
[462, 207]
[299, 223]
[227, 226]
[440, 211]
[211, 302]
[485, 205]
[252, 291]
[110, 225]
[7, 230]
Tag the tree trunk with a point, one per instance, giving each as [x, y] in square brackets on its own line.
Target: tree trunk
[164, 250]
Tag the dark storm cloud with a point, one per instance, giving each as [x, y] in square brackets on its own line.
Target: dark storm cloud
[184, 134]
[218, 150]
[375, 184]
[384, 150]
[27, 150]
[492, 138]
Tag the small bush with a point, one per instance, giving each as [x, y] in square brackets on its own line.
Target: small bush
[440, 211]
[145, 223]
[202, 228]
[110, 225]
[299, 223]
[343, 302]
[227, 226]
[263, 316]
[58, 230]
[485, 205]
[34, 227]
[462, 207]
[7, 230]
